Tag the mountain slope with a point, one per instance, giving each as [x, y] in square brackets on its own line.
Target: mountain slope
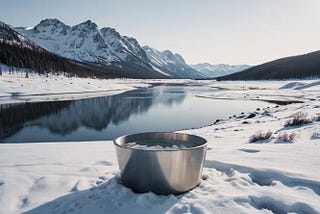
[18, 51]
[171, 64]
[106, 47]
[10, 36]
[295, 67]
[82, 42]
[86, 43]
[217, 70]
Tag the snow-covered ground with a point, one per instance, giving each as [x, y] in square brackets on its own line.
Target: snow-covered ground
[17, 88]
[239, 177]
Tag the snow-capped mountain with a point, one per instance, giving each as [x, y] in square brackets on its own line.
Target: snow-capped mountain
[17, 51]
[108, 52]
[85, 42]
[217, 70]
[171, 64]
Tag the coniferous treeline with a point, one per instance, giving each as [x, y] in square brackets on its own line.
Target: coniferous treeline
[42, 61]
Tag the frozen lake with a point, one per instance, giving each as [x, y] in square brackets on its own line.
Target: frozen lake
[160, 108]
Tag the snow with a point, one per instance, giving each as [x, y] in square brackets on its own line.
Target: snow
[16, 88]
[238, 177]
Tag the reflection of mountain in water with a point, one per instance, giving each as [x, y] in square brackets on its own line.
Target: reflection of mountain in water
[94, 113]
[64, 117]
[13, 116]
[169, 96]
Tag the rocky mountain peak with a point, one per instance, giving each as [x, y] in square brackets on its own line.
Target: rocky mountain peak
[110, 32]
[132, 40]
[168, 53]
[50, 25]
[180, 59]
[86, 26]
[50, 22]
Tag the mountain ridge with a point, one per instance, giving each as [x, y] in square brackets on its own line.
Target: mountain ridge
[18, 51]
[106, 52]
[171, 63]
[217, 70]
[85, 42]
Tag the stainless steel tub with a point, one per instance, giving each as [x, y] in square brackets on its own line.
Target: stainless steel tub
[162, 171]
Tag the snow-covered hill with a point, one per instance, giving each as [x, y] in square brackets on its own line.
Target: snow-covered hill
[172, 64]
[218, 70]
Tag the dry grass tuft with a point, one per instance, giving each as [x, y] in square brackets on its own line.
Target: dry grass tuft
[286, 138]
[299, 119]
[258, 136]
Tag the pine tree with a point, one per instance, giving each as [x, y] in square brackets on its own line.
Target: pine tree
[0, 69]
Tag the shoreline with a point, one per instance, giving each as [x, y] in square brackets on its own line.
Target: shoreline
[15, 88]
[279, 102]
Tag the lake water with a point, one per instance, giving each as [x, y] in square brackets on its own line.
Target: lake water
[160, 108]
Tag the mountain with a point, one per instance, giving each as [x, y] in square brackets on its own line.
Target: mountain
[85, 42]
[77, 43]
[18, 51]
[217, 70]
[294, 67]
[171, 64]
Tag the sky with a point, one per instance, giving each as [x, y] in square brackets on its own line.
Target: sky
[212, 31]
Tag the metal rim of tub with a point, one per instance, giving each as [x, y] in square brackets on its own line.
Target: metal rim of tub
[116, 141]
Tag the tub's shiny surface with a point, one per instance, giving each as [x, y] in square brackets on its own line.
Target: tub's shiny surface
[161, 171]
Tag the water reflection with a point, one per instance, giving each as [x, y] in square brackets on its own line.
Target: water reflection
[14, 116]
[65, 117]
[161, 108]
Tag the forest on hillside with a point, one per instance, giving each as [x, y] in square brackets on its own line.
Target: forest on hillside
[42, 61]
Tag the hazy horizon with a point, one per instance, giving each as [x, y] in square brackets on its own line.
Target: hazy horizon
[228, 32]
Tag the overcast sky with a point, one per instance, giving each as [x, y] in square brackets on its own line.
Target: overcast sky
[213, 31]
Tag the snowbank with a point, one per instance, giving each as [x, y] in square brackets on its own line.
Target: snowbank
[16, 88]
[239, 177]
